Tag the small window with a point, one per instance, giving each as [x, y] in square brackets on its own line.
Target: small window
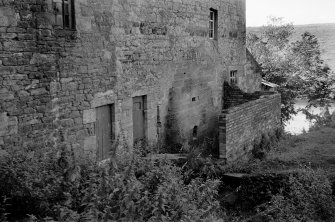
[64, 13]
[233, 77]
[213, 24]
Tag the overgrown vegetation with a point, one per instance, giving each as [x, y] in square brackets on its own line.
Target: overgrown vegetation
[53, 187]
[308, 197]
[47, 185]
[267, 142]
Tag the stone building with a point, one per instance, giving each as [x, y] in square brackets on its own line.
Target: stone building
[86, 72]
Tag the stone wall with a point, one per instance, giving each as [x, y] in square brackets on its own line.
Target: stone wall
[32, 52]
[253, 75]
[242, 126]
[53, 79]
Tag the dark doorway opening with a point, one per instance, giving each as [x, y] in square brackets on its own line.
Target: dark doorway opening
[195, 133]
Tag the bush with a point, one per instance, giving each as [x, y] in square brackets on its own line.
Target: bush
[30, 181]
[54, 186]
[309, 198]
[262, 147]
[320, 121]
[267, 142]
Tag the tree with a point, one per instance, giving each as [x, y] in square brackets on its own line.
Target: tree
[318, 79]
[296, 67]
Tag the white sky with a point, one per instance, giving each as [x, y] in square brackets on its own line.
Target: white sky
[297, 11]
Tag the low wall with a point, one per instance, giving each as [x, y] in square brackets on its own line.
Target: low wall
[242, 125]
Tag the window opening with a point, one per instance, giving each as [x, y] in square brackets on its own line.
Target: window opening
[64, 11]
[233, 77]
[213, 24]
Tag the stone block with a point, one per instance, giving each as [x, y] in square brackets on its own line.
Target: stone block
[38, 92]
[8, 125]
[70, 86]
[66, 80]
[54, 87]
[6, 96]
[85, 24]
[34, 121]
[8, 35]
[89, 116]
[39, 59]
[8, 17]
[3, 90]
[90, 144]
[23, 93]
[10, 61]
[16, 30]
[66, 122]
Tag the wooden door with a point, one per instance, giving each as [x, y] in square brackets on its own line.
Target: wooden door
[139, 118]
[104, 131]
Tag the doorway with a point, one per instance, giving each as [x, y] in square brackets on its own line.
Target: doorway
[139, 118]
[105, 130]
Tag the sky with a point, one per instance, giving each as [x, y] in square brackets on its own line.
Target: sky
[298, 12]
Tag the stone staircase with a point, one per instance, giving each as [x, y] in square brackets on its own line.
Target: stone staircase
[234, 96]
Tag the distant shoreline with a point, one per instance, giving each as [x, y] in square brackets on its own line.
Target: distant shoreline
[312, 24]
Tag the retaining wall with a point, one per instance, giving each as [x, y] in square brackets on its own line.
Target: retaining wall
[243, 126]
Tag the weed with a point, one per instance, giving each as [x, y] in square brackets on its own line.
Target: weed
[309, 198]
[46, 185]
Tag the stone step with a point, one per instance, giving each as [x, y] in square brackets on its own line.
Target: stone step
[166, 156]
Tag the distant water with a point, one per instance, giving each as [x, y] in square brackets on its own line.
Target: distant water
[299, 122]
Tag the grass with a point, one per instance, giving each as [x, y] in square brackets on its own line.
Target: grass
[315, 149]
[291, 183]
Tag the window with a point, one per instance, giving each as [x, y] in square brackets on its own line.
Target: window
[64, 13]
[233, 77]
[105, 130]
[213, 24]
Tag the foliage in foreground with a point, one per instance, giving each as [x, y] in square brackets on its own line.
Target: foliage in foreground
[53, 187]
[309, 198]
[50, 186]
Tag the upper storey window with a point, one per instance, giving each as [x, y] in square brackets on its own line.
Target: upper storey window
[233, 77]
[64, 13]
[213, 24]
